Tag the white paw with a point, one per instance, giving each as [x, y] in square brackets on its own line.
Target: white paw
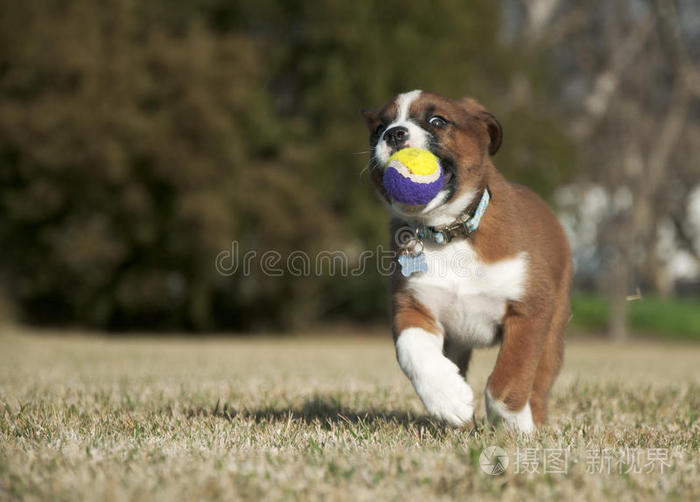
[518, 420]
[444, 393]
[446, 396]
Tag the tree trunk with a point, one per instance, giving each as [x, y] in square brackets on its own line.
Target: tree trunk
[617, 321]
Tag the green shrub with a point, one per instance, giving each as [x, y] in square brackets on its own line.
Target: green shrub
[667, 317]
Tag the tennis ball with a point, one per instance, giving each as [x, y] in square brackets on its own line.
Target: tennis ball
[413, 176]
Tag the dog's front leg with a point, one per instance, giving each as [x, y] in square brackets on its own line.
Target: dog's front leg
[509, 387]
[443, 391]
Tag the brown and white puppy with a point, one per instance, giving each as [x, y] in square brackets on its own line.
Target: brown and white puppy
[507, 282]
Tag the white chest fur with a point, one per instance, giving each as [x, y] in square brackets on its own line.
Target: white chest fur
[465, 295]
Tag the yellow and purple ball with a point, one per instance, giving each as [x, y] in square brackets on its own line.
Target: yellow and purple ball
[413, 176]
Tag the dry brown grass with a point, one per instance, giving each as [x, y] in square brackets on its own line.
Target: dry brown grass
[91, 417]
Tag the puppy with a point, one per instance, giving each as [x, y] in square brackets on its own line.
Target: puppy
[497, 266]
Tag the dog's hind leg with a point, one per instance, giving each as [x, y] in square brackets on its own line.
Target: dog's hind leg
[458, 354]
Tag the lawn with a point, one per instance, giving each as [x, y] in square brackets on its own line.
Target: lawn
[86, 417]
[672, 318]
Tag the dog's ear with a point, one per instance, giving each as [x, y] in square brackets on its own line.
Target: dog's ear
[371, 118]
[493, 126]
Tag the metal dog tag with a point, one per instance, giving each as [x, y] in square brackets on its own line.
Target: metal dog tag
[412, 264]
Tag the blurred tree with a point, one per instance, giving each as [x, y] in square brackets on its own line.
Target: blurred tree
[139, 140]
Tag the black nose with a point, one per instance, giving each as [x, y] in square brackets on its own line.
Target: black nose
[396, 136]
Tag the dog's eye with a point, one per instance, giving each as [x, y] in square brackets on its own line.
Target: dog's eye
[379, 129]
[437, 121]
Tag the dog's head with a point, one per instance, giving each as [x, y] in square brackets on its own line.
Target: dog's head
[462, 134]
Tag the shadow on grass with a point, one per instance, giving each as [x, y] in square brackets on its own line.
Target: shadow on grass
[319, 409]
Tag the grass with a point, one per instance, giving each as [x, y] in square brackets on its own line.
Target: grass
[99, 418]
[675, 318]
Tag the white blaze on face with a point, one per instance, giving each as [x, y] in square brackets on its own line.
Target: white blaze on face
[417, 136]
[438, 211]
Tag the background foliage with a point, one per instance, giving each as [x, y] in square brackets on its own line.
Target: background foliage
[139, 139]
